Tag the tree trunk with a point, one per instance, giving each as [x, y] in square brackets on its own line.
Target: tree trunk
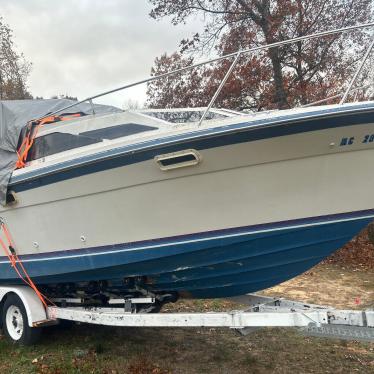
[280, 97]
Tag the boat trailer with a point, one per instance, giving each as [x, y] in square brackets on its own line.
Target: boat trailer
[23, 313]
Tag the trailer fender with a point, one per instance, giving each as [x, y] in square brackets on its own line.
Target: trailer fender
[36, 313]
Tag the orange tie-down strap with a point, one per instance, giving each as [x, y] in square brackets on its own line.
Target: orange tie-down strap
[17, 264]
[31, 132]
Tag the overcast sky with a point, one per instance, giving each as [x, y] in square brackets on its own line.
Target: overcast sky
[82, 47]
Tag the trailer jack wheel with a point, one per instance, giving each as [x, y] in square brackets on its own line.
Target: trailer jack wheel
[15, 323]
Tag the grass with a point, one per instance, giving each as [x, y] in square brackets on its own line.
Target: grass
[97, 349]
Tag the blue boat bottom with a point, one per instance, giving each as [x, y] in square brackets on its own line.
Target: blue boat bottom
[206, 265]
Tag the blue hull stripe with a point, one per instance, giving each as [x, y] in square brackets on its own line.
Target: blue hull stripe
[234, 233]
[202, 139]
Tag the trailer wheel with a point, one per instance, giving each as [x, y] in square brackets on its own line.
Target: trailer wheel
[15, 322]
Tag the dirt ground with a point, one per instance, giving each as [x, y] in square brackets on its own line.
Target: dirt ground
[333, 285]
[96, 349]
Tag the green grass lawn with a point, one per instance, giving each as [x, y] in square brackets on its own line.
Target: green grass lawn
[98, 349]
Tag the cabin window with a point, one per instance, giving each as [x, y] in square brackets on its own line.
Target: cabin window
[177, 160]
[57, 142]
[119, 131]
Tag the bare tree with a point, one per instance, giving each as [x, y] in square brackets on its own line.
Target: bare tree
[64, 96]
[130, 104]
[14, 69]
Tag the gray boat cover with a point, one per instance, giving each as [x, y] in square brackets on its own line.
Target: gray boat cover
[14, 116]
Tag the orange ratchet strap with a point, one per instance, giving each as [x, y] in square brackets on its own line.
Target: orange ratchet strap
[16, 263]
[32, 130]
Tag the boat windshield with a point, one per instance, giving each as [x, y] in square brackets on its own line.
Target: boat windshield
[185, 116]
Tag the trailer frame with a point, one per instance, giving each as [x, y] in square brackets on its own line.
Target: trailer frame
[260, 311]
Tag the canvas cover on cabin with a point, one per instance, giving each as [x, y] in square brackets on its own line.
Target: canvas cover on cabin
[14, 116]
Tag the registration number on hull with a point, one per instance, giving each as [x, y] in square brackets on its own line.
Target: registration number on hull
[349, 141]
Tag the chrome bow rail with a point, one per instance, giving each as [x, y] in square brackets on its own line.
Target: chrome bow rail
[236, 56]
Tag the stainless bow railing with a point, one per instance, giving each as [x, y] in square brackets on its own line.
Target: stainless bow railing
[236, 56]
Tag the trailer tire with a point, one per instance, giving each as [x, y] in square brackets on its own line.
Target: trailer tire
[15, 322]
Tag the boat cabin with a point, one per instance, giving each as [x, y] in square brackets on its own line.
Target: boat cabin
[85, 131]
